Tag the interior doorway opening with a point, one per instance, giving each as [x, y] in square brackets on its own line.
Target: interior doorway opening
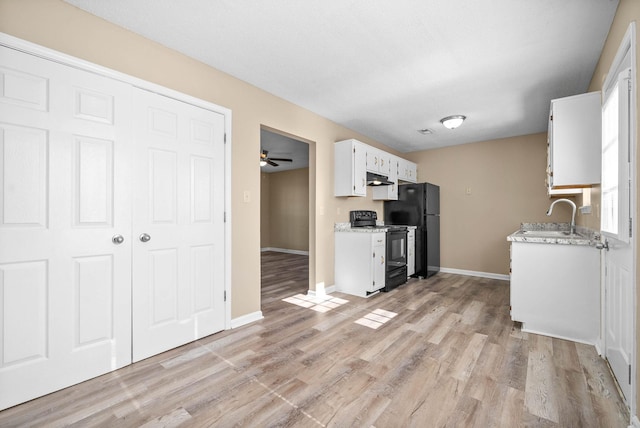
[286, 226]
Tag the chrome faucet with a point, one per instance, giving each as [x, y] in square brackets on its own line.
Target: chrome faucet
[573, 215]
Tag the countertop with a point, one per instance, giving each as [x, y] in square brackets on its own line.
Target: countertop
[554, 233]
[346, 227]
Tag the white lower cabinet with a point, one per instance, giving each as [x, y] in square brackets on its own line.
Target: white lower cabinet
[555, 290]
[359, 262]
[411, 251]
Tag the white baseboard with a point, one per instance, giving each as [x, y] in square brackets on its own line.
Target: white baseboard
[488, 275]
[246, 319]
[323, 292]
[598, 346]
[557, 336]
[284, 250]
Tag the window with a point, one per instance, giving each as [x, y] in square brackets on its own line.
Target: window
[616, 177]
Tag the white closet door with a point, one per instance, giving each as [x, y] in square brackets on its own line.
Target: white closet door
[178, 275]
[65, 298]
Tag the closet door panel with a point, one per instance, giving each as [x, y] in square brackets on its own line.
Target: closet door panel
[178, 222]
[65, 149]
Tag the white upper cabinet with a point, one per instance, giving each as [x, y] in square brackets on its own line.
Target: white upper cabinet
[353, 159]
[389, 193]
[407, 171]
[350, 174]
[574, 140]
[378, 161]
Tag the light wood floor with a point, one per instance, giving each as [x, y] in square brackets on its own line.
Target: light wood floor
[450, 357]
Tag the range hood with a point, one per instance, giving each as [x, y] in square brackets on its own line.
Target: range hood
[377, 180]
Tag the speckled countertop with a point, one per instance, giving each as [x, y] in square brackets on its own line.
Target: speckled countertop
[554, 233]
[346, 227]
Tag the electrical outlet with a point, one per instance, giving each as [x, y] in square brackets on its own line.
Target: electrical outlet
[467, 191]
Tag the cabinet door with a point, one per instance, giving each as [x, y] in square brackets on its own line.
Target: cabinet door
[350, 174]
[373, 159]
[407, 171]
[388, 193]
[574, 140]
[359, 176]
[412, 172]
[411, 252]
[386, 161]
[378, 257]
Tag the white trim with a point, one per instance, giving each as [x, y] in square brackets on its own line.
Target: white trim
[321, 292]
[488, 275]
[246, 319]
[573, 339]
[635, 422]
[284, 250]
[598, 346]
[24, 46]
[15, 43]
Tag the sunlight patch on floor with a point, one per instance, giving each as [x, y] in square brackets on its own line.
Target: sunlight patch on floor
[318, 304]
[376, 318]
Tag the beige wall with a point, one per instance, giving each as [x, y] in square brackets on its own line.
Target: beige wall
[265, 215]
[60, 26]
[628, 11]
[285, 204]
[506, 178]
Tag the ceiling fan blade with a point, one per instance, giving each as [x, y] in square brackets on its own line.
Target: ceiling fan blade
[281, 159]
[272, 163]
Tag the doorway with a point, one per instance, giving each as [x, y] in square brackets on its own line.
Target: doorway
[618, 209]
[285, 188]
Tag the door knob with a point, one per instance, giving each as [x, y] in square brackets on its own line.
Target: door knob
[145, 237]
[117, 239]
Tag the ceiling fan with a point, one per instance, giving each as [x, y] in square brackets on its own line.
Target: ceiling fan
[265, 159]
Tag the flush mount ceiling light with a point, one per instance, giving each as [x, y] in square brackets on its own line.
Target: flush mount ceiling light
[453, 122]
[425, 131]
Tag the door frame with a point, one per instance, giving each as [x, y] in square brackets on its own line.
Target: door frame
[627, 44]
[21, 45]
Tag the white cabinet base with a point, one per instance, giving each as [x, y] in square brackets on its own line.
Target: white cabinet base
[555, 290]
[359, 262]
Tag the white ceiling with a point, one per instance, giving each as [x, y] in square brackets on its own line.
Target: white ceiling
[279, 146]
[388, 68]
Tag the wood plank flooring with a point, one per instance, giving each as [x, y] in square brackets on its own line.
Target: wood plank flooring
[450, 356]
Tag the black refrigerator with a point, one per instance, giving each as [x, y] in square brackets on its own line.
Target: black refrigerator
[419, 205]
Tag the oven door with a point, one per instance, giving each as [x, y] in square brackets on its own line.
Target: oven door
[396, 249]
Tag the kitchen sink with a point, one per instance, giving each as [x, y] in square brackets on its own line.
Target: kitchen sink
[551, 233]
